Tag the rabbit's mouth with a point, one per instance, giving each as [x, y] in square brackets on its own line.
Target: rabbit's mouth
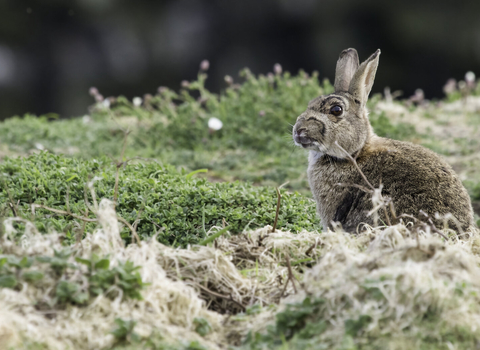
[306, 145]
[301, 139]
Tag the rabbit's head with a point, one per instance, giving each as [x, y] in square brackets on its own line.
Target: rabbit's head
[342, 116]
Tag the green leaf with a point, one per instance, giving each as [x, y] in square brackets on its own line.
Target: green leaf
[103, 264]
[214, 236]
[96, 290]
[44, 259]
[8, 281]
[202, 326]
[301, 261]
[65, 290]
[72, 177]
[25, 262]
[196, 172]
[84, 261]
[124, 329]
[80, 298]
[32, 276]
[352, 327]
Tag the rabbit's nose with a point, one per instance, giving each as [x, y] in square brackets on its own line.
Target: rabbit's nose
[301, 132]
[301, 136]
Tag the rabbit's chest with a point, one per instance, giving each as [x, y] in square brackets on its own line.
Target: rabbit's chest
[330, 183]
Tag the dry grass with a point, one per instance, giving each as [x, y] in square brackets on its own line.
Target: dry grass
[395, 275]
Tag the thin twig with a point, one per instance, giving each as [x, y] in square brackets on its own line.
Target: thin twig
[312, 247]
[291, 277]
[67, 199]
[161, 228]
[85, 199]
[63, 212]
[387, 217]
[93, 194]
[13, 209]
[226, 297]
[392, 210]
[79, 234]
[144, 159]
[363, 188]
[11, 203]
[134, 232]
[456, 222]
[354, 161]
[431, 224]
[408, 216]
[137, 219]
[119, 164]
[279, 197]
[436, 230]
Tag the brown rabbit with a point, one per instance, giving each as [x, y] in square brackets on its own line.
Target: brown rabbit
[415, 178]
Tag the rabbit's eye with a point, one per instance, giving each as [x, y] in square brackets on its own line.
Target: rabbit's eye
[336, 110]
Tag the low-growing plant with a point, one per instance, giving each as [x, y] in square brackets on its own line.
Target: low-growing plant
[127, 339]
[66, 280]
[124, 331]
[302, 320]
[102, 278]
[13, 271]
[202, 326]
[180, 208]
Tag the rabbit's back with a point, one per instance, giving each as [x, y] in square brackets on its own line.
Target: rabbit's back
[414, 177]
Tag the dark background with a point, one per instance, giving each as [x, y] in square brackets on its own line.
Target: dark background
[53, 51]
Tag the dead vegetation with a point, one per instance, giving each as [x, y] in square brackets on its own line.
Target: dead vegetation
[394, 274]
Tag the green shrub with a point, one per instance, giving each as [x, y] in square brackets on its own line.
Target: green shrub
[180, 207]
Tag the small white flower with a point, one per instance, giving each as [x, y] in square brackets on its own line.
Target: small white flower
[277, 69]
[204, 65]
[137, 101]
[470, 77]
[93, 91]
[228, 79]
[86, 119]
[39, 146]
[106, 103]
[215, 124]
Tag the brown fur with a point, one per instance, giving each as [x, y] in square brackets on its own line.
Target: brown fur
[414, 177]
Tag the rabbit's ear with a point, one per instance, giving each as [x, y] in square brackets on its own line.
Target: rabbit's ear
[347, 65]
[363, 78]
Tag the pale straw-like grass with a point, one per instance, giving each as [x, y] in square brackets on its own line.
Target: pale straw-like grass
[393, 274]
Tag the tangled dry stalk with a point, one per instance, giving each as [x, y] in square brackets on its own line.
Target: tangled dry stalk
[412, 270]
